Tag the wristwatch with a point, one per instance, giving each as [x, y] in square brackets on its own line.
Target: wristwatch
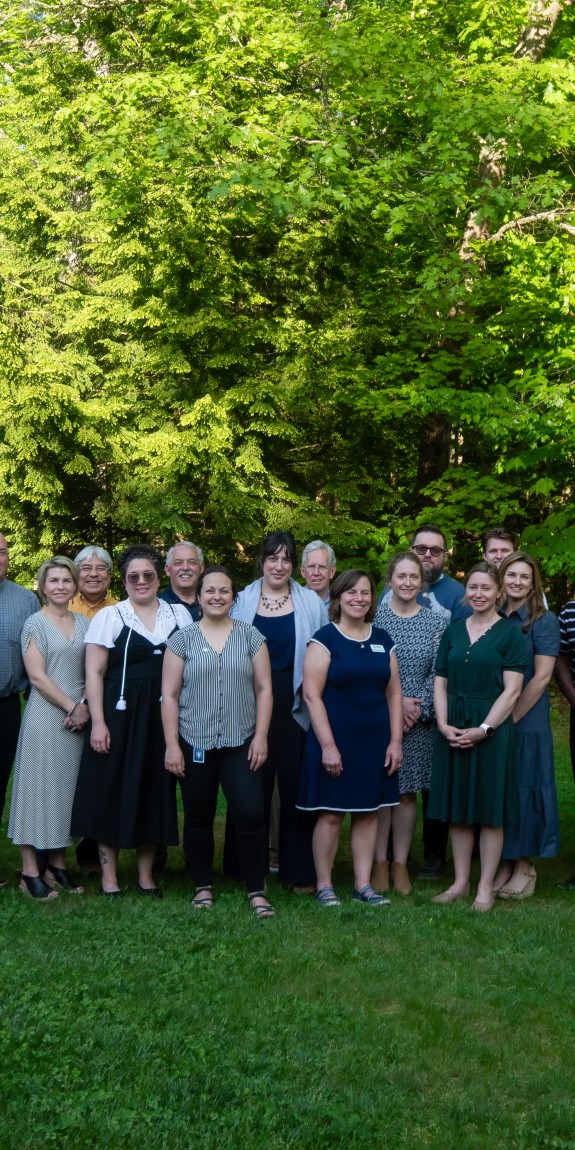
[487, 730]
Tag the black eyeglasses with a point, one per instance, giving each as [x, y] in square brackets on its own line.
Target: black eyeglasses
[145, 576]
[421, 550]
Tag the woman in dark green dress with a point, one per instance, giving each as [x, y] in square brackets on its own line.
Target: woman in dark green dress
[479, 673]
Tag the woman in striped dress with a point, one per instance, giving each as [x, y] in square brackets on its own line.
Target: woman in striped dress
[216, 710]
[50, 745]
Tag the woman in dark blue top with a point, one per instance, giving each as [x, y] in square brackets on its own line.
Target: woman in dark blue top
[536, 834]
[353, 750]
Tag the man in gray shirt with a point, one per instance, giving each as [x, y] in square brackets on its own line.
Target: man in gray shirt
[16, 604]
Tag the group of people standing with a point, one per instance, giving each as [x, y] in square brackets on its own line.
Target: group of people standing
[347, 704]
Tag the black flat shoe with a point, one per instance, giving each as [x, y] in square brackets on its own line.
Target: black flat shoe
[35, 886]
[57, 874]
[112, 893]
[151, 891]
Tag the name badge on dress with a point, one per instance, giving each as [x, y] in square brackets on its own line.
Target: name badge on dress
[378, 648]
[198, 755]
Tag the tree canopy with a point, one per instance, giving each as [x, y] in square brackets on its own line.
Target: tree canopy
[305, 265]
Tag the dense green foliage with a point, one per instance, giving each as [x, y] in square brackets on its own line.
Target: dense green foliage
[233, 293]
[407, 1027]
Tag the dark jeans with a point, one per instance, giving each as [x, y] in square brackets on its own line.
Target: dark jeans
[243, 790]
[435, 833]
[10, 713]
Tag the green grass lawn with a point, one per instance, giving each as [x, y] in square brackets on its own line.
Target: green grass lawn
[140, 1025]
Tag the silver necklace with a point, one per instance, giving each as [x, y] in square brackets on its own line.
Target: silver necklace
[274, 604]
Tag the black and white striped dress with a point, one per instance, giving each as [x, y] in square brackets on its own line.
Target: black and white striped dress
[48, 757]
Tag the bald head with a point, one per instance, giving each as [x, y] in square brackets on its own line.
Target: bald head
[3, 557]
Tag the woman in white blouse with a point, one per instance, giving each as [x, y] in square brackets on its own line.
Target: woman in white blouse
[216, 710]
[124, 797]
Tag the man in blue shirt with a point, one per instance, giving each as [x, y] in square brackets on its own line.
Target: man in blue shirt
[16, 604]
[184, 565]
[430, 545]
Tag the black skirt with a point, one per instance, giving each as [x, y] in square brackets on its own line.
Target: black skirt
[126, 798]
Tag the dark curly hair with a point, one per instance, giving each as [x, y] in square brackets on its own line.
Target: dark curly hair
[140, 551]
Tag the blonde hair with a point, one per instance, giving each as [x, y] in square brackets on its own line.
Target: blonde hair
[56, 561]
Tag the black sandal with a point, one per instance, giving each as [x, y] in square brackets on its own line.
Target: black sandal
[35, 886]
[203, 898]
[62, 877]
[260, 911]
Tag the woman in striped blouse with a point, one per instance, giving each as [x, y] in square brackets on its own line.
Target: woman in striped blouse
[216, 710]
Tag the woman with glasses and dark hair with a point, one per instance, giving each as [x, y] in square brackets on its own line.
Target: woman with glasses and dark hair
[287, 615]
[124, 798]
[353, 750]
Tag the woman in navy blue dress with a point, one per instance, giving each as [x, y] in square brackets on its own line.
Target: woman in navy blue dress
[353, 751]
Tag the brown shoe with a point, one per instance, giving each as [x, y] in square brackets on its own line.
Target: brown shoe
[400, 878]
[380, 876]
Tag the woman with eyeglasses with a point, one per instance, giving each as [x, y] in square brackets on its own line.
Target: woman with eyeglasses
[124, 797]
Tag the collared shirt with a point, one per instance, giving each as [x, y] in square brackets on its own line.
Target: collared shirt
[107, 625]
[217, 703]
[16, 605]
[80, 606]
[170, 596]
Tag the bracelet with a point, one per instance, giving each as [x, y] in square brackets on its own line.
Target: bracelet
[81, 703]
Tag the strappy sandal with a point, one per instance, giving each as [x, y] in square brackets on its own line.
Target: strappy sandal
[369, 895]
[326, 896]
[266, 911]
[35, 887]
[203, 898]
[61, 877]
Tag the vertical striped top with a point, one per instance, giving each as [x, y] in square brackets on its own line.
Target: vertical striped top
[567, 628]
[217, 703]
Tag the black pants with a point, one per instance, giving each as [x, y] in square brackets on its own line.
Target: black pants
[286, 742]
[435, 833]
[244, 793]
[572, 739]
[10, 712]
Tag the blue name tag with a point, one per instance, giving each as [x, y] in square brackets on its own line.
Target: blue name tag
[199, 755]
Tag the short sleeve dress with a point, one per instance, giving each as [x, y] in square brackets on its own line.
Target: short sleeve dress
[356, 705]
[416, 640]
[536, 834]
[48, 756]
[477, 785]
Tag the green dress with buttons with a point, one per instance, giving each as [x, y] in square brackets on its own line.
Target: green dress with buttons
[477, 785]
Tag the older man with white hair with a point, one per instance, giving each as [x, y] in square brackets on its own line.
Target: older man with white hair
[95, 575]
[184, 565]
[318, 564]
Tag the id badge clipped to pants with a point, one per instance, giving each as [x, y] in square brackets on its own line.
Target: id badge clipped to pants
[198, 756]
